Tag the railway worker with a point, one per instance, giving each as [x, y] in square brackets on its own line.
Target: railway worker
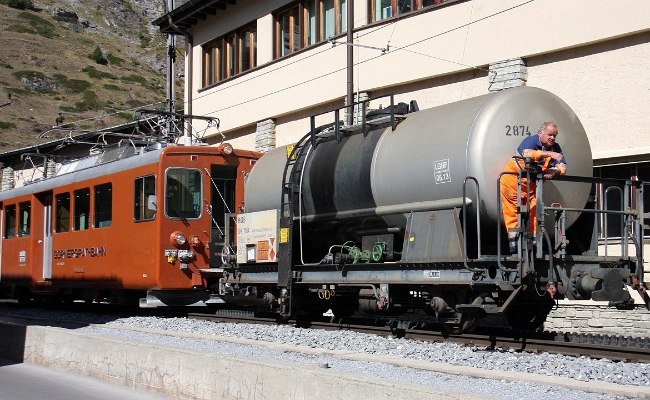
[547, 154]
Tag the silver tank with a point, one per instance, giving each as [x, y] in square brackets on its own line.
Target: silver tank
[427, 158]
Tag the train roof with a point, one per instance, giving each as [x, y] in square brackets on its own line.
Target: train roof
[114, 160]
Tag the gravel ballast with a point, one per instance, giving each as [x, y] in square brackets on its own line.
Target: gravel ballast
[581, 369]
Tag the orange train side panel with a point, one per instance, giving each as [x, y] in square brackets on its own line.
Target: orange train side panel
[125, 254]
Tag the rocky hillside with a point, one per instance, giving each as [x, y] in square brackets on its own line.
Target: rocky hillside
[82, 64]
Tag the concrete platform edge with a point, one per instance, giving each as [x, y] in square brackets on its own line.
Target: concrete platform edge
[188, 374]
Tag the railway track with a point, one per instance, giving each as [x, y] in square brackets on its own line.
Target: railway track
[619, 348]
[628, 349]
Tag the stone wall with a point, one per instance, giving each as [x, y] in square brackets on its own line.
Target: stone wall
[598, 319]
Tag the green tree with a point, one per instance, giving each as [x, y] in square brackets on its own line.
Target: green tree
[98, 56]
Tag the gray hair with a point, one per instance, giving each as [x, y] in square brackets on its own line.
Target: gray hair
[542, 128]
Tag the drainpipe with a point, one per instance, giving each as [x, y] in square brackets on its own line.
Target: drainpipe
[350, 66]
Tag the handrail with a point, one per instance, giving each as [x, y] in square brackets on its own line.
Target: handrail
[607, 215]
[500, 222]
[478, 223]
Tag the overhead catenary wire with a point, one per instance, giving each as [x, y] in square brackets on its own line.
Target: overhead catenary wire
[395, 49]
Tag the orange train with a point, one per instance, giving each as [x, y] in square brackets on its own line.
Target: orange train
[133, 224]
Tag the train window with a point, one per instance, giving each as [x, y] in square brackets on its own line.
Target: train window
[183, 193]
[10, 221]
[145, 187]
[81, 209]
[103, 205]
[24, 212]
[62, 222]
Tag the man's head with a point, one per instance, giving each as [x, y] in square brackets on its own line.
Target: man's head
[547, 134]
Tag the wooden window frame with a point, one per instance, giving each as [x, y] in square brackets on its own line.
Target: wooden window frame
[222, 57]
[394, 4]
[302, 9]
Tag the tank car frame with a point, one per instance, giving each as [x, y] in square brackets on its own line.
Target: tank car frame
[435, 265]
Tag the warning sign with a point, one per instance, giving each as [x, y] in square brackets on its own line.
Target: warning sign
[262, 250]
[257, 231]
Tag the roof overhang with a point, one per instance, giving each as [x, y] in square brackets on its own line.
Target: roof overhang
[190, 14]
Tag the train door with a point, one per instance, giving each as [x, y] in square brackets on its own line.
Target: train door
[43, 235]
[222, 202]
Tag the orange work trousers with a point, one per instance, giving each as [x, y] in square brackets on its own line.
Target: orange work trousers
[509, 206]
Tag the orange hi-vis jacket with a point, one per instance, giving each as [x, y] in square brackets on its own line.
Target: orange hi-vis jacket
[529, 147]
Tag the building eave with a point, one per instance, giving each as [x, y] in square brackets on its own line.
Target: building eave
[189, 14]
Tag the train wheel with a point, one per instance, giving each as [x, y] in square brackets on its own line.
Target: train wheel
[526, 317]
[528, 310]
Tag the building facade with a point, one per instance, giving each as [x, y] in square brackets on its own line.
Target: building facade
[252, 61]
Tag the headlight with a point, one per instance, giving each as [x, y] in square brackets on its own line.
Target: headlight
[178, 239]
[225, 149]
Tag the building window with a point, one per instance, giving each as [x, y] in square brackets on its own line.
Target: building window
[103, 205]
[230, 55]
[62, 218]
[612, 196]
[81, 209]
[306, 23]
[145, 203]
[24, 212]
[183, 191]
[10, 221]
[382, 9]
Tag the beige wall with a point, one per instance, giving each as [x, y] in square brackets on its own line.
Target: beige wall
[592, 54]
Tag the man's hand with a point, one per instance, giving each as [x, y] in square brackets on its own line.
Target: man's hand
[550, 173]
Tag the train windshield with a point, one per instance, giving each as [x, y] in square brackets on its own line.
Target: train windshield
[183, 193]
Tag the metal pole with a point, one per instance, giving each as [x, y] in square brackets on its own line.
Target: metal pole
[171, 55]
[350, 66]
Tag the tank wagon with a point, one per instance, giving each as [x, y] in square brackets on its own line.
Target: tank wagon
[138, 222]
[399, 217]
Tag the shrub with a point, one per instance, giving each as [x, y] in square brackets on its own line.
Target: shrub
[115, 60]
[20, 4]
[76, 85]
[7, 125]
[98, 56]
[60, 78]
[90, 101]
[5, 64]
[111, 87]
[95, 74]
[41, 26]
[134, 78]
[20, 29]
[28, 74]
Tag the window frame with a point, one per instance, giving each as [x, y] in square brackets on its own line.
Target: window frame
[173, 214]
[306, 28]
[11, 221]
[141, 198]
[414, 5]
[223, 57]
[103, 206]
[78, 211]
[24, 218]
[59, 226]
